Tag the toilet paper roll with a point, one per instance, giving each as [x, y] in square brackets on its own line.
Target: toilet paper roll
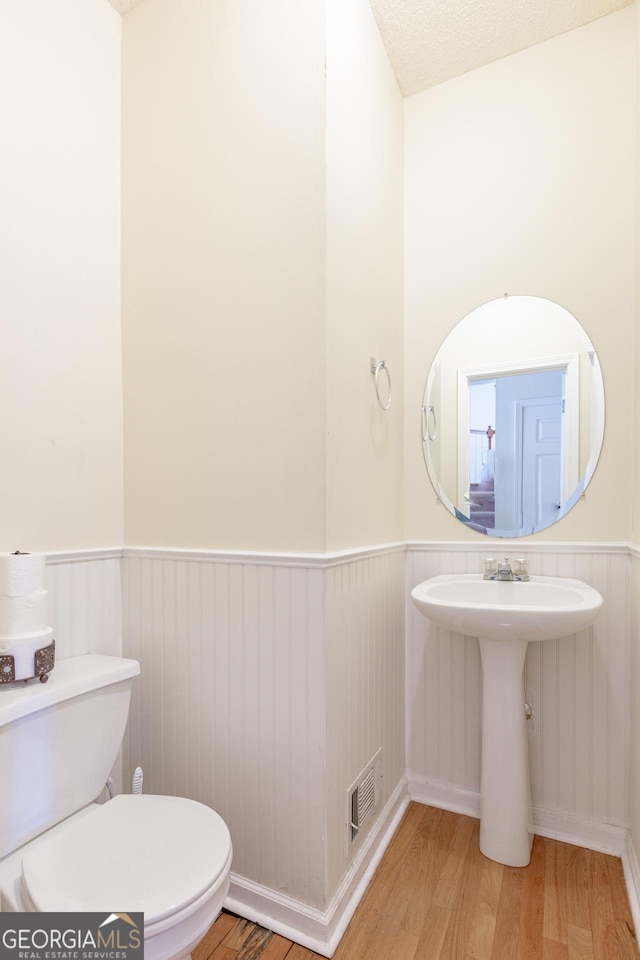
[21, 573]
[23, 651]
[21, 616]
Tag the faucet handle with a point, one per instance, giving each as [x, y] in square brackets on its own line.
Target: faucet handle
[489, 568]
[521, 568]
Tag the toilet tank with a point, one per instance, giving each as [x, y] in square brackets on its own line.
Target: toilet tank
[59, 741]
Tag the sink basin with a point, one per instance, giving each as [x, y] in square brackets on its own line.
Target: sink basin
[505, 616]
[543, 608]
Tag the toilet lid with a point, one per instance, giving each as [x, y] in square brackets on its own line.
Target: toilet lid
[136, 853]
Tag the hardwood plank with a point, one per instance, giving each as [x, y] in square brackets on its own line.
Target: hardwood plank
[552, 950]
[239, 934]
[254, 946]
[395, 905]
[458, 936]
[223, 953]
[277, 948]
[626, 940]
[431, 857]
[577, 888]
[215, 935]
[618, 889]
[603, 924]
[530, 946]
[483, 923]
[507, 932]
[451, 876]
[555, 892]
[361, 930]
[400, 945]
[579, 943]
[300, 953]
[433, 934]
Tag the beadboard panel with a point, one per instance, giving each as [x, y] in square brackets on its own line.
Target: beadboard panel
[265, 689]
[634, 741]
[365, 688]
[229, 709]
[85, 606]
[578, 687]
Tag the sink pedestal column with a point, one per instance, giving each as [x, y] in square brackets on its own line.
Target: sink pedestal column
[505, 797]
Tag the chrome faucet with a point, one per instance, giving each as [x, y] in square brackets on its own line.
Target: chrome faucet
[503, 571]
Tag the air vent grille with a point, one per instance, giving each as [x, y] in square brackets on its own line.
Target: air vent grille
[363, 796]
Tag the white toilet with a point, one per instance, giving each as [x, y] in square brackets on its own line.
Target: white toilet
[167, 857]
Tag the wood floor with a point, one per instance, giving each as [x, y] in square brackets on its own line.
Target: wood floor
[435, 897]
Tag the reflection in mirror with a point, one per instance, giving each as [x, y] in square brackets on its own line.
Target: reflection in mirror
[517, 395]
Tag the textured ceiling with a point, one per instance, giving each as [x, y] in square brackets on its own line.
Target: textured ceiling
[429, 41]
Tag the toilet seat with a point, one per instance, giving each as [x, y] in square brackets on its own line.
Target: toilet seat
[151, 854]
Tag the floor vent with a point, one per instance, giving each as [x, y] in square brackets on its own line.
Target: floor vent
[363, 797]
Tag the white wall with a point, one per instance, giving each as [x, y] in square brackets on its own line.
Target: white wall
[364, 281]
[60, 363]
[520, 178]
[223, 274]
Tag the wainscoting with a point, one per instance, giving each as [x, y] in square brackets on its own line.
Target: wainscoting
[267, 684]
[269, 681]
[85, 601]
[632, 867]
[85, 609]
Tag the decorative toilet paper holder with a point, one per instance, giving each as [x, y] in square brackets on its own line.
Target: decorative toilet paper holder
[43, 663]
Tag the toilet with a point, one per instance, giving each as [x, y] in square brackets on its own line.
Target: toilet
[167, 857]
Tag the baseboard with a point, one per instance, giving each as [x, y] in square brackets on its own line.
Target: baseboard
[444, 796]
[317, 930]
[631, 869]
[594, 835]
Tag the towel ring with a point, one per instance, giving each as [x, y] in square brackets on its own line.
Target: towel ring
[376, 367]
[427, 432]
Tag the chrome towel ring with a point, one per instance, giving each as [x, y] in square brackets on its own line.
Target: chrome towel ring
[376, 366]
[429, 430]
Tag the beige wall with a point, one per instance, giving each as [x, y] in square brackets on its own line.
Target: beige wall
[364, 282]
[261, 270]
[223, 274]
[636, 394]
[520, 179]
[260, 275]
[60, 364]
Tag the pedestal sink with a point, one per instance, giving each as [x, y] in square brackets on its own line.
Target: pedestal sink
[506, 616]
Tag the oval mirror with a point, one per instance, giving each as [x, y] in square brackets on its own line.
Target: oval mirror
[513, 416]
